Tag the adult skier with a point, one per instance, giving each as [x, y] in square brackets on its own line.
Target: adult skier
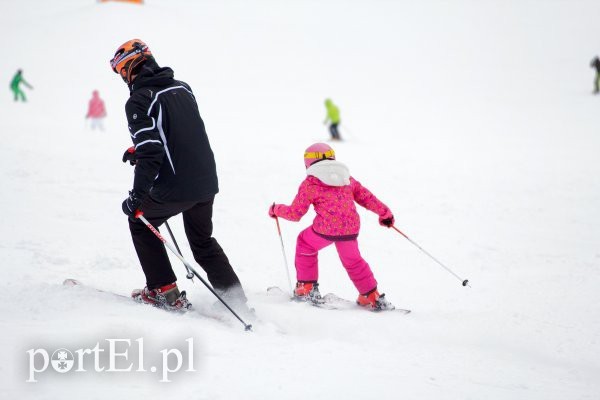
[333, 117]
[596, 64]
[175, 173]
[96, 111]
[15, 86]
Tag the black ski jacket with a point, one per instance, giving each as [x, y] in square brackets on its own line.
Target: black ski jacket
[174, 158]
[596, 64]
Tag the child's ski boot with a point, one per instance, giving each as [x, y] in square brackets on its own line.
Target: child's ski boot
[166, 297]
[308, 291]
[374, 301]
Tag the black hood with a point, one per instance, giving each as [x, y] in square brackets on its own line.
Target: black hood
[152, 75]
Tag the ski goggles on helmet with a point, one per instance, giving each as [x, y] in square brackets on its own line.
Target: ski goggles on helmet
[320, 155]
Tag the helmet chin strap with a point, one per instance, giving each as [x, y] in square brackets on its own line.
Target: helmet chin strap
[123, 74]
[127, 72]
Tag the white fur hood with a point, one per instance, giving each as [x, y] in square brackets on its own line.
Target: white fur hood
[330, 172]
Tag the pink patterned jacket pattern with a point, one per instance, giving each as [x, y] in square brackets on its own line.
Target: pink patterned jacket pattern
[334, 205]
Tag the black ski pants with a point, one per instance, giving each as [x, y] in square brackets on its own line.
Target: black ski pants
[333, 129]
[197, 221]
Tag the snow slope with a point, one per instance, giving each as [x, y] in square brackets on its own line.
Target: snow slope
[472, 120]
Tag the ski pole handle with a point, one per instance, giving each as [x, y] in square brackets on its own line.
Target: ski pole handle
[276, 219]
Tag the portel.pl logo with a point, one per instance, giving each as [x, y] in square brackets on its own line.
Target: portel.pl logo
[112, 355]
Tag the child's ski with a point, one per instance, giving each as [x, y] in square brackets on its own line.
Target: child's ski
[321, 303]
[341, 303]
[330, 301]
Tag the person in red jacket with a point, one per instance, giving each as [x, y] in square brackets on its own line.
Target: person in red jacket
[96, 111]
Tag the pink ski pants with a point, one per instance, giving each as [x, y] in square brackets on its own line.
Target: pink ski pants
[307, 261]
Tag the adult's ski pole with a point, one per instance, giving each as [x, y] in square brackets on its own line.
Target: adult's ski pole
[140, 215]
[465, 282]
[285, 263]
[190, 274]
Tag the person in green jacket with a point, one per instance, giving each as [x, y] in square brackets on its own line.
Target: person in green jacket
[15, 86]
[333, 117]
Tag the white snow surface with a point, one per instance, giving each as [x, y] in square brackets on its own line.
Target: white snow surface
[472, 120]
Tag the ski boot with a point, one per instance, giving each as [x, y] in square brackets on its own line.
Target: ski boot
[374, 301]
[166, 297]
[308, 291]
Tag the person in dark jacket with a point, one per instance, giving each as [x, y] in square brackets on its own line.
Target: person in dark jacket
[596, 65]
[175, 173]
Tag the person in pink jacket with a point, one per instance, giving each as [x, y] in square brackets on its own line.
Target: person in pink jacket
[333, 193]
[96, 111]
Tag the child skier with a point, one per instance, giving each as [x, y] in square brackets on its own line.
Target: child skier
[96, 111]
[332, 192]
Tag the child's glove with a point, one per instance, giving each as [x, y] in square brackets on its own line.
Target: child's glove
[387, 219]
[129, 155]
[272, 211]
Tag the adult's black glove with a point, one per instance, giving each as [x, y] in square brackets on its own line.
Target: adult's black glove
[131, 204]
[129, 155]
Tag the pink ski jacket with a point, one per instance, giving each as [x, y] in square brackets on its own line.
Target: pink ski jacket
[332, 192]
[96, 107]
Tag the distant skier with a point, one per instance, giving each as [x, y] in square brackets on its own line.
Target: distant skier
[96, 111]
[596, 64]
[332, 192]
[175, 173]
[333, 117]
[15, 86]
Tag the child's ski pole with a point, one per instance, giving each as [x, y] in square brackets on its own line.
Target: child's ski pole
[285, 263]
[140, 215]
[465, 282]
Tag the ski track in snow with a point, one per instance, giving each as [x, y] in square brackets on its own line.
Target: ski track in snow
[473, 121]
